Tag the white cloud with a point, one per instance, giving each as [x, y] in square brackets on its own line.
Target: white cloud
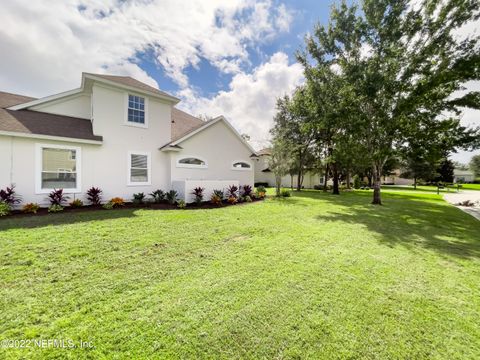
[45, 45]
[250, 101]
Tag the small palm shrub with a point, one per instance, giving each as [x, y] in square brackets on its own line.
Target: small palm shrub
[219, 193]
[94, 195]
[232, 191]
[247, 199]
[9, 196]
[77, 203]
[247, 190]
[171, 197]
[232, 200]
[198, 193]
[158, 196]
[31, 208]
[54, 208]
[215, 199]
[181, 204]
[4, 208]
[57, 197]
[139, 198]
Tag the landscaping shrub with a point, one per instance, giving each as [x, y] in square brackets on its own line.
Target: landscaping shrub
[261, 192]
[9, 196]
[77, 203]
[232, 200]
[139, 198]
[247, 199]
[172, 197]
[158, 196]
[4, 208]
[117, 201]
[94, 195]
[215, 199]
[357, 182]
[219, 193]
[181, 204]
[318, 187]
[198, 193]
[232, 191]
[247, 190]
[285, 193]
[57, 197]
[30, 208]
[108, 206]
[54, 208]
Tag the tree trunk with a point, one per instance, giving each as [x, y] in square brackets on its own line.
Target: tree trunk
[278, 183]
[336, 190]
[369, 181]
[348, 179]
[299, 179]
[326, 179]
[415, 183]
[377, 171]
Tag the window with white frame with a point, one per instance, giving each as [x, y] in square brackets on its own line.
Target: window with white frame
[241, 165]
[191, 162]
[58, 167]
[136, 109]
[138, 168]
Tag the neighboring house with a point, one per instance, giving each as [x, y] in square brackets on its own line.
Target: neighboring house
[263, 174]
[463, 176]
[119, 134]
[395, 179]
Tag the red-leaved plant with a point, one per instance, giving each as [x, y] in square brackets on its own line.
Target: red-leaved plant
[57, 197]
[232, 191]
[8, 196]
[94, 195]
[198, 192]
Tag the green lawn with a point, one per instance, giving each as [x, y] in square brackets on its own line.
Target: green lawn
[312, 276]
[471, 186]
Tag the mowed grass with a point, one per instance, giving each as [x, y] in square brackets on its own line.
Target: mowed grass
[312, 276]
[471, 186]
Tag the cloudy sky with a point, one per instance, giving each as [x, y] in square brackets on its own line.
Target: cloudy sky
[230, 57]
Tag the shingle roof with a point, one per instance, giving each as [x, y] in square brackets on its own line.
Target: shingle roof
[129, 81]
[9, 99]
[183, 123]
[34, 122]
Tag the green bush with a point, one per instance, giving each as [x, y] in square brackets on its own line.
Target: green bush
[158, 196]
[357, 182]
[30, 208]
[77, 203]
[285, 193]
[247, 199]
[171, 197]
[181, 204]
[4, 208]
[139, 198]
[55, 208]
[108, 205]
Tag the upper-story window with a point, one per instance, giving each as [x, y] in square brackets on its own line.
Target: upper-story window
[136, 109]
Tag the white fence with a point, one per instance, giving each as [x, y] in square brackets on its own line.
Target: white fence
[185, 188]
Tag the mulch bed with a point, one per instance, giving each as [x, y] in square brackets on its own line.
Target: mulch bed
[130, 205]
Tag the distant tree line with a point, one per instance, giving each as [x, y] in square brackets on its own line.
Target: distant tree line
[384, 88]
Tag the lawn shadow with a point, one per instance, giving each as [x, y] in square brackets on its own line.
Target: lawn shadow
[34, 221]
[413, 221]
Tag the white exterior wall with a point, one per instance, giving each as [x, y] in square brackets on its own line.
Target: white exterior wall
[185, 188]
[219, 147]
[106, 165]
[78, 105]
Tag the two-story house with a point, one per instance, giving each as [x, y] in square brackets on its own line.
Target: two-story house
[120, 135]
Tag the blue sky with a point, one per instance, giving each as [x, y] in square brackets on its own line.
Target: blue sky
[231, 58]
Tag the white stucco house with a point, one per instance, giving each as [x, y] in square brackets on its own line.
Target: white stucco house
[118, 134]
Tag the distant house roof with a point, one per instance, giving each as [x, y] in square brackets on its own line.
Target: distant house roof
[183, 123]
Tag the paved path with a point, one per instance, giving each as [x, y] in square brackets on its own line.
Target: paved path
[464, 195]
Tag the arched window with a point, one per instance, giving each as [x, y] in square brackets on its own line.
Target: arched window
[191, 162]
[241, 165]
